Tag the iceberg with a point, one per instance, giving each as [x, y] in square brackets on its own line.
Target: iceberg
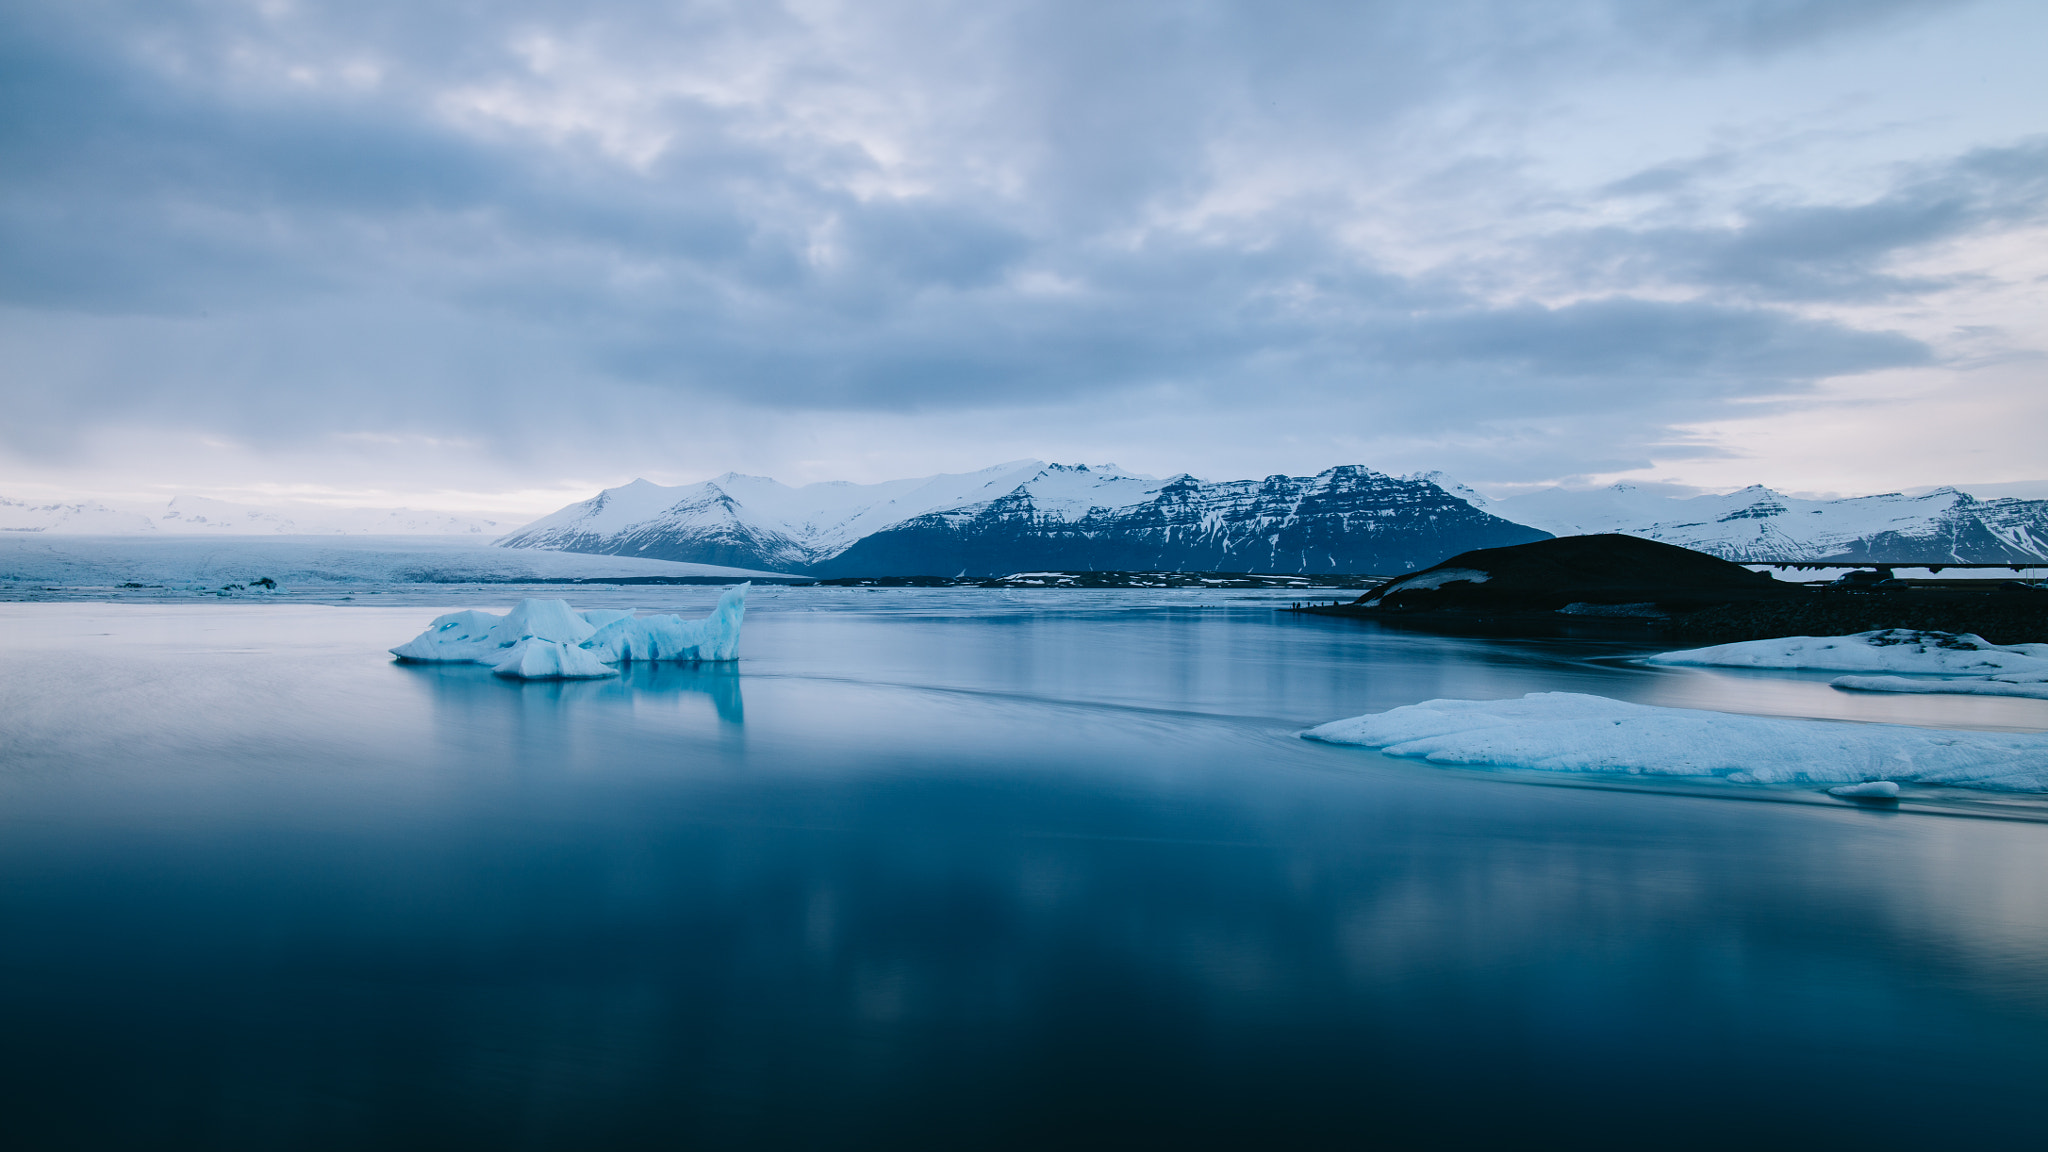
[1869, 790]
[548, 640]
[1885, 650]
[1981, 668]
[1574, 732]
[537, 659]
[715, 637]
[2031, 686]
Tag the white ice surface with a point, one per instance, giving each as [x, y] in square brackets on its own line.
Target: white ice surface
[548, 640]
[1573, 732]
[293, 561]
[2026, 685]
[537, 659]
[1869, 790]
[715, 637]
[1886, 650]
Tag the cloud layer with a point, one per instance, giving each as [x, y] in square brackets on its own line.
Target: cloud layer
[595, 239]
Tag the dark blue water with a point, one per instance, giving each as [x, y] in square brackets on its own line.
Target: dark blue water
[955, 873]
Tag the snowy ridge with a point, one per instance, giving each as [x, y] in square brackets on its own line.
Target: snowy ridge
[1757, 524]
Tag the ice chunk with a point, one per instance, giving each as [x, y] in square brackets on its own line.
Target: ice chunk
[716, 637]
[1868, 790]
[537, 659]
[1886, 650]
[599, 617]
[469, 637]
[1572, 732]
[547, 639]
[457, 638]
[2030, 686]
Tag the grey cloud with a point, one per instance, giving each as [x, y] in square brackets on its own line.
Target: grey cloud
[1762, 27]
[1822, 251]
[341, 255]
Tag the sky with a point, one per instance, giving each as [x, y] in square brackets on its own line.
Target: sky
[494, 256]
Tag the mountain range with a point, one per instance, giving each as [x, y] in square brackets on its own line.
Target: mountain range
[1028, 515]
[1031, 515]
[1756, 524]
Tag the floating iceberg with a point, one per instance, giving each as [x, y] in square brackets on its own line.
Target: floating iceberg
[1869, 790]
[548, 640]
[1986, 669]
[2031, 685]
[1886, 650]
[1573, 732]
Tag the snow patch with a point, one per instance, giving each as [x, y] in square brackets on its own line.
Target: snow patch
[1443, 576]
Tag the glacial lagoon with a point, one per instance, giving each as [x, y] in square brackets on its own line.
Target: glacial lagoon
[962, 869]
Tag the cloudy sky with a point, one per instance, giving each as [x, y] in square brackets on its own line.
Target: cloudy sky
[494, 255]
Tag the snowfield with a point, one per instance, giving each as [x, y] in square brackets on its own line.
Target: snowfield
[548, 640]
[1573, 732]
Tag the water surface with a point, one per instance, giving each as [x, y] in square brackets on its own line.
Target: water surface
[957, 869]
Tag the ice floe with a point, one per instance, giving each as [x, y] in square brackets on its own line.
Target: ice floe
[548, 640]
[1574, 732]
[2027, 685]
[1887, 650]
[1868, 790]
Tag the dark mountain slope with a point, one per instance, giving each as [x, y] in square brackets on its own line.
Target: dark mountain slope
[1348, 519]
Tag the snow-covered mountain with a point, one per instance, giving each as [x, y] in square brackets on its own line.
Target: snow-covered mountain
[1028, 515]
[200, 516]
[752, 521]
[1757, 524]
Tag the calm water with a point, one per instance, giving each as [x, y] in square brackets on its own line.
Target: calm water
[957, 870]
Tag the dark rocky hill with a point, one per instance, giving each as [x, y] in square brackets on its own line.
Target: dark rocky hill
[1592, 571]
